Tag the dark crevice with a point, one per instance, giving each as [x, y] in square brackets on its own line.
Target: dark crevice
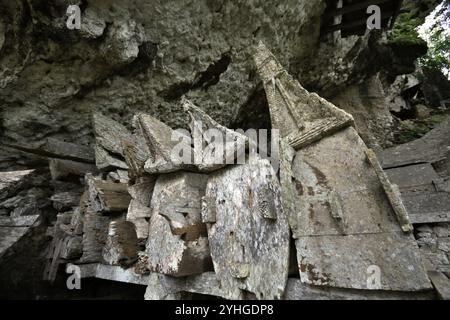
[204, 80]
[404, 165]
[254, 114]
[146, 55]
[405, 114]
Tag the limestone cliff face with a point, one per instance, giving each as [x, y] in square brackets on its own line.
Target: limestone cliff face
[137, 55]
[144, 55]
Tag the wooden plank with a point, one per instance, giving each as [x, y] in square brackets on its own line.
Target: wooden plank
[25, 221]
[441, 283]
[121, 246]
[60, 168]
[296, 290]
[413, 175]
[360, 23]
[95, 231]
[429, 217]
[70, 151]
[348, 8]
[343, 261]
[427, 203]
[112, 273]
[250, 231]
[139, 211]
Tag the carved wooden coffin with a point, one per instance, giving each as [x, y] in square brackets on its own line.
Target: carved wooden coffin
[247, 230]
[345, 215]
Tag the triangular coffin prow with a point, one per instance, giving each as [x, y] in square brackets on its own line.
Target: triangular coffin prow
[301, 117]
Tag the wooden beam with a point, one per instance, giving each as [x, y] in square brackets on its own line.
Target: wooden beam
[358, 23]
[354, 7]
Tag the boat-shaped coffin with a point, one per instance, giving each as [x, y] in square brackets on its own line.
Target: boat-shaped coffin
[350, 228]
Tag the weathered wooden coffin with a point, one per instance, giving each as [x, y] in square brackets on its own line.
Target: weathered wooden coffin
[344, 213]
[247, 230]
[177, 243]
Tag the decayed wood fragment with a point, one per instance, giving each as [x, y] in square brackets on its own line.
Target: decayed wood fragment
[118, 176]
[60, 247]
[109, 137]
[121, 245]
[176, 243]
[95, 231]
[72, 247]
[105, 196]
[139, 216]
[249, 238]
[139, 211]
[76, 222]
[339, 215]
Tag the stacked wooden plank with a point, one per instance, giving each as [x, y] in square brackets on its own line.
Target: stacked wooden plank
[206, 226]
[421, 169]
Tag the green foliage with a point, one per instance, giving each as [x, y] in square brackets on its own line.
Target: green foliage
[410, 130]
[438, 38]
[405, 29]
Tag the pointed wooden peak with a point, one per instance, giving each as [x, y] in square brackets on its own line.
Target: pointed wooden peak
[199, 117]
[302, 117]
